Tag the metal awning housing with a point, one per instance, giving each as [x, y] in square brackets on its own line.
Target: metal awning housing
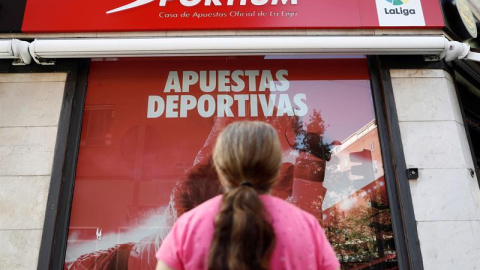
[6, 49]
[184, 46]
[42, 50]
[15, 49]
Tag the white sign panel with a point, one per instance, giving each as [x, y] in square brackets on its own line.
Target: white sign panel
[400, 13]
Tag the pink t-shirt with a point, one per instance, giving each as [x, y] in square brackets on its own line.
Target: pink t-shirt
[300, 241]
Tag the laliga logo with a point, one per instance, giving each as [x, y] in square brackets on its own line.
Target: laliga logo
[397, 2]
[191, 3]
[399, 10]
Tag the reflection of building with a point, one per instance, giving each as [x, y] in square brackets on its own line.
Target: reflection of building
[360, 228]
[426, 114]
[362, 152]
[359, 223]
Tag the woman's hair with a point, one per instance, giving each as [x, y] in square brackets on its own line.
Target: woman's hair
[247, 157]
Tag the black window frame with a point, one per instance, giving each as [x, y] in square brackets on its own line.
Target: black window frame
[55, 228]
[471, 72]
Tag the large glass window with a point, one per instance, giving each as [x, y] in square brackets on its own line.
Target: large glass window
[148, 130]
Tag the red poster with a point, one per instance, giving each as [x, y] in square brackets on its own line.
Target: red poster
[148, 130]
[150, 15]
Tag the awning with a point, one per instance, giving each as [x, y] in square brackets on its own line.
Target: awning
[438, 47]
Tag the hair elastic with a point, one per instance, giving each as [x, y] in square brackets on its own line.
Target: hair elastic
[246, 183]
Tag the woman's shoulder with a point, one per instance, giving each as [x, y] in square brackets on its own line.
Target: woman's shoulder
[209, 207]
[280, 207]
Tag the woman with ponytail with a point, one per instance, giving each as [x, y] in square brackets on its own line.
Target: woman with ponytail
[246, 228]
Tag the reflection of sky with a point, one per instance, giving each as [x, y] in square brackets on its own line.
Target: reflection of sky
[338, 184]
[345, 105]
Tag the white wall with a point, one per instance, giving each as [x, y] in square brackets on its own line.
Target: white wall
[446, 199]
[30, 107]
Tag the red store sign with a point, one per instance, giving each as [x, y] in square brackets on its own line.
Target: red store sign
[151, 15]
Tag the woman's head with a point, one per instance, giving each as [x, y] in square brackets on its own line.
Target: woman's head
[248, 152]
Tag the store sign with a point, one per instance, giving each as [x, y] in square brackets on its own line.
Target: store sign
[219, 96]
[150, 15]
[400, 13]
[459, 18]
[467, 17]
[191, 3]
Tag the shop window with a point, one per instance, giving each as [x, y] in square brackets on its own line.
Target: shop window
[159, 119]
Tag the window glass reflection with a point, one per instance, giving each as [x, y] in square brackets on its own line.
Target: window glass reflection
[149, 127]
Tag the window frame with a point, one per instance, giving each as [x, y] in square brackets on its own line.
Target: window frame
[57, 216]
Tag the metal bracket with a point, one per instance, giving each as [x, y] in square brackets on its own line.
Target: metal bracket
[44, 62]
[431, 58]
[18, 62]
